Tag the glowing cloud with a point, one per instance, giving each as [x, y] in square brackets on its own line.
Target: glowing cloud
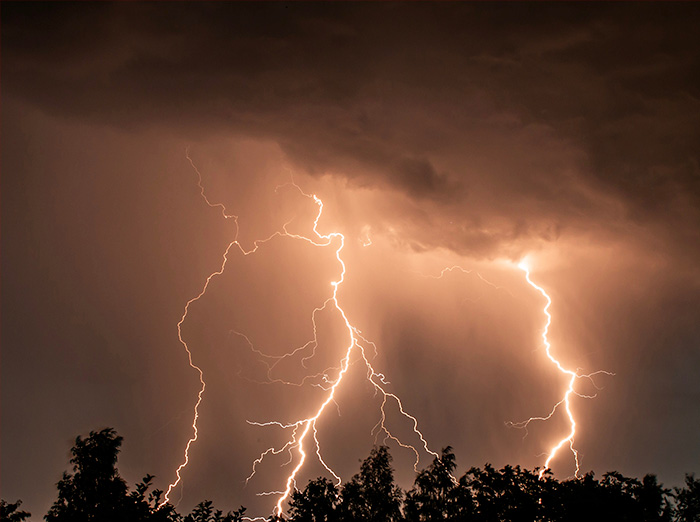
[303, 440]
[299, 443]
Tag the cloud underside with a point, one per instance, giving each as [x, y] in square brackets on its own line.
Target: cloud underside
[498, 124]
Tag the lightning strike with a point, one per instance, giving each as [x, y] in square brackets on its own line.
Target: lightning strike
[203, 291]
[304, 440]
[200, 394]
[355, 342]
[573, 377]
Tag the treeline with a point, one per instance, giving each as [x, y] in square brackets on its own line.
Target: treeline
[511, 494]
[94, 492]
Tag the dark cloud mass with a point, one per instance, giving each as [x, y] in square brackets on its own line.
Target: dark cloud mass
[448, 133]
[431, 100]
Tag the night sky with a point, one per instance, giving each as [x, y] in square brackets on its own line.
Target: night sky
[446, 134]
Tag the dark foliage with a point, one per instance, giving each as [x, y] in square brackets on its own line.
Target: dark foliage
[95, 492]
[688, 500]
[371, 495]
[317, 503]
[11, 512]
[511, 494]
[204, 512]
[437, 495]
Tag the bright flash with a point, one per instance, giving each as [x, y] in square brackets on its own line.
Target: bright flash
[303, 440]
[573, 377]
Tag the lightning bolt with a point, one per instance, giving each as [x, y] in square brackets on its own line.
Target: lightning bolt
[303, 440]
[303, 431]
[203, 291]
[355, 341]
[573, 378]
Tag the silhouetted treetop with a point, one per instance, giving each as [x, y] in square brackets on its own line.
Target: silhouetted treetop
[317, 503]
[436, 493]
[371, 495]
[11, 512]
[688, 500]
[95, 492]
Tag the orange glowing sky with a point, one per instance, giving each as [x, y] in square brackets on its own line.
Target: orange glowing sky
[446, 136]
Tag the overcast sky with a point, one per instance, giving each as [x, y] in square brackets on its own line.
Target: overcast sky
[446, 134]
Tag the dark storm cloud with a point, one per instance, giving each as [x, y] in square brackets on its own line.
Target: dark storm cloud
[487, 129]
[516, 120]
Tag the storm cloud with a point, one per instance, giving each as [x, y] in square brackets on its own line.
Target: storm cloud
[453, 133]
[575, 116]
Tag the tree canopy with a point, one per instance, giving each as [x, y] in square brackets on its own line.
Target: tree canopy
[95, 492]
[510, 494]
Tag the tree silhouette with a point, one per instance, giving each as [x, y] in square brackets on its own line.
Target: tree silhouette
[95, 491]
[653, 500]
[317, 503]
[371, 495]
[205, 512]
[437, 495]
[145, 506]
[688, 500]
[512, 494]
[10, 512]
